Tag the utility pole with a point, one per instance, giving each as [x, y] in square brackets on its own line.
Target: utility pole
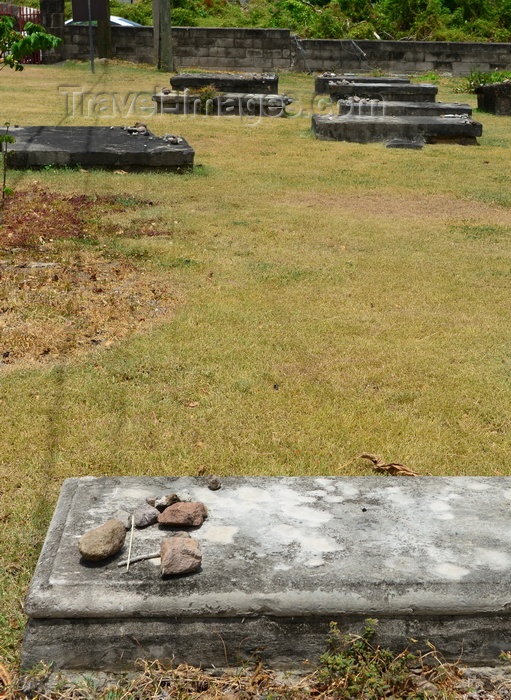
[163, 35]
[105, 36]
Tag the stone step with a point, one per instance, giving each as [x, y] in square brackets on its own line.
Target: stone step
[366, 129]
[387, 108]
[96, 146]
[228, 104]
[321, 82]
[258, 83]
[384, 91]
[429, 557]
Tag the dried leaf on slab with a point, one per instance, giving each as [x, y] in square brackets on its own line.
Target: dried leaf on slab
[392, 468]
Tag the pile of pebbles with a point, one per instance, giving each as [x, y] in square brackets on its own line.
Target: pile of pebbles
[179, 552]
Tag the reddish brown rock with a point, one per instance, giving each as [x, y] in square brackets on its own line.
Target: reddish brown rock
[179, 555]
[183, 515]
[103, 541]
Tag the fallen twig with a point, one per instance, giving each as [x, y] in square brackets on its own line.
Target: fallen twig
[131, 542]
[141, 557]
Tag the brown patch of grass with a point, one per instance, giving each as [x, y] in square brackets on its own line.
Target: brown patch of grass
[57, 300]
[185, 682]
[412, 206]
[32, 218]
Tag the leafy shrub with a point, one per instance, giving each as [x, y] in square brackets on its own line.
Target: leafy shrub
[477, 78]
[434, 20]
[356, 667]
[141, 12]
[184, 17]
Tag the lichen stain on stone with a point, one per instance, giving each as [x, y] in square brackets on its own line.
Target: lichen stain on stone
[493, 559]
[478, 486]
[222, 534]
[451, 571]
[441, 508]
[311, 516]
[396, 496]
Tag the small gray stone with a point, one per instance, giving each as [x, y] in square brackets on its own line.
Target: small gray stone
[180, 555]
[145, 515]
[162, 502]
[184, 496]
[124, 517]
[103, 541]
[214, 483]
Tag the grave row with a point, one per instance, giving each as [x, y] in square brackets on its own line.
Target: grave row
[389, 109]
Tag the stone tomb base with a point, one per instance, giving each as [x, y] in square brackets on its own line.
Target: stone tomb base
[258, 83]
[98, 147]
[495, 98]
[366, 129]
[282, 557]
[322, 82]
[227, 104]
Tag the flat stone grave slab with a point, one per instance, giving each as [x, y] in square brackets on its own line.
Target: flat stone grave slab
[366, 129]
[97, 146]
[387, 108]
[495, 98]
[321, 82]
[429, 557]
[256, 83]
[384, 91]
[228, 104]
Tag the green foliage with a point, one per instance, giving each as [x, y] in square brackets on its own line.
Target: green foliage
[206, 95]
[477, 78]
[434, 20]
[358, 668]
[15, 45]
[141, 12]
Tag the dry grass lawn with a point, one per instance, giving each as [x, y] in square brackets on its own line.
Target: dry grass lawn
[321, 300]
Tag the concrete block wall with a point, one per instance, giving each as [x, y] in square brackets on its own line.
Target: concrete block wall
[276, 50]
[405, 56]
[128, 43]
[199, 47]
[232, 48]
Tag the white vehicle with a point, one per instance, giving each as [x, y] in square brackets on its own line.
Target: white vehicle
[114, 21]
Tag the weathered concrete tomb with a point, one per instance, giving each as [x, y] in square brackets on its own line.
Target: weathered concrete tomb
[229, 94]
[387, 108]
[281, 558]
[406, 92]
[385, 111]
[97, 146]
[256, 83]
[366, 129]
[227, 104]
[495, 98]
[322, 82]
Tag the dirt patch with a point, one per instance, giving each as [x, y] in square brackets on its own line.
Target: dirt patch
[395, 206]
[57, 298]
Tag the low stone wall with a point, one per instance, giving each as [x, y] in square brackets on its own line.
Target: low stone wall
[198, 47]
[128, 43]
[236, 49]
[277, 50]
[405, 56]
